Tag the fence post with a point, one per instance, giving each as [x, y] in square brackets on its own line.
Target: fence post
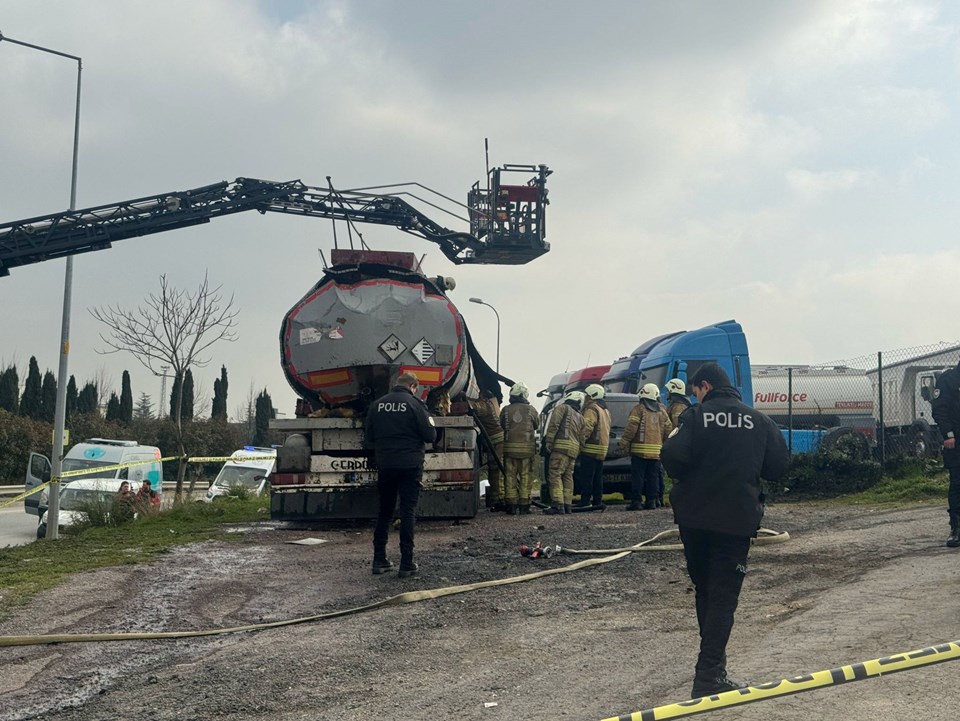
[790, 410]
[881, 441]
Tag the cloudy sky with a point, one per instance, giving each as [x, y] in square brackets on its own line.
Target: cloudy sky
[792, 165]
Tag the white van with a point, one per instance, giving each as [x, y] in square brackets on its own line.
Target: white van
[248, 468]
[77, 496]
[97, 453]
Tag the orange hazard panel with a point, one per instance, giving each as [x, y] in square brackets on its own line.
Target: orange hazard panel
[426, 376]
[335, 377]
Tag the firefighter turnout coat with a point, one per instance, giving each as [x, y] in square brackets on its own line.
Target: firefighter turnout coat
[647, 428]
[596, 429]
[520, 422]
[563, 431]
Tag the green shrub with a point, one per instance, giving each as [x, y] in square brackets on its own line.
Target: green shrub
[826, 474]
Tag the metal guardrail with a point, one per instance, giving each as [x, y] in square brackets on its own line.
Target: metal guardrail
[17, 490]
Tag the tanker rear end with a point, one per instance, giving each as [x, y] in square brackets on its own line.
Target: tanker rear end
[370, 318]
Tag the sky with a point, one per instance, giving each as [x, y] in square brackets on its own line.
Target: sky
[790, 165]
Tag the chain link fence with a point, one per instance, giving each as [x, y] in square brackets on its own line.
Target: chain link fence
[875, 405]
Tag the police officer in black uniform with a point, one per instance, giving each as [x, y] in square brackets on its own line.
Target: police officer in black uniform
[946, 412]
[716, 459]
[397, 427]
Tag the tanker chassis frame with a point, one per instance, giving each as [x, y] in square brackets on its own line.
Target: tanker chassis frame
[327, 474]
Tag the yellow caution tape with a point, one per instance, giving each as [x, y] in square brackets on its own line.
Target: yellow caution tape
[11, 501]
[798, 684]
[224, 459]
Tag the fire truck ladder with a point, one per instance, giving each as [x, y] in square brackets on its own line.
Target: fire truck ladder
[505, 229]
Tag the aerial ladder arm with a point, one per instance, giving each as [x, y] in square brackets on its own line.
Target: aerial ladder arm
[496, 237]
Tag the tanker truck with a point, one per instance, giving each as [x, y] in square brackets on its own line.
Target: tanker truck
[372, 316]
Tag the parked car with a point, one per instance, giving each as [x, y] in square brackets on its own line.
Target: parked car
[76, 498]
[247, 468]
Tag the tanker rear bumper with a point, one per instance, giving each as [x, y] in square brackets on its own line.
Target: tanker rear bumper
[317, 504]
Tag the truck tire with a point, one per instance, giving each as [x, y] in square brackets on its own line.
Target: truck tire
[848, 442]
[920, 440]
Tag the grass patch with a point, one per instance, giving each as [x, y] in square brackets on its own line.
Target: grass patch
[27, 570]
[916, 485]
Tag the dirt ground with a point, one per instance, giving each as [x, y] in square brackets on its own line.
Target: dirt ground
[852, 584]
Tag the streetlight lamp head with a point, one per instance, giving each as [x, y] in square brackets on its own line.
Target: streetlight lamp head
[476, 300]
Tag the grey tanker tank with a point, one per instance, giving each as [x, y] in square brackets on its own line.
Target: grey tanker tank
[372, 316]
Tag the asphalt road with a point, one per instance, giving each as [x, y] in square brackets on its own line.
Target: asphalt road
[16, 527]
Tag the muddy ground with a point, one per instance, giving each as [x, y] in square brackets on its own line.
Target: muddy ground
[852, 584]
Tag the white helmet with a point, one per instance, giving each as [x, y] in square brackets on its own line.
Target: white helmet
[520, 389]
[595, 391]
[649, 392]
[675, 385]
[577, 397]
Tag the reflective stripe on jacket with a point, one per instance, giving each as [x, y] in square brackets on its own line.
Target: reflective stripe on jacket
[488, 413]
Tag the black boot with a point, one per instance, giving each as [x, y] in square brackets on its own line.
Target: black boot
[381, 565]
[554, 510]
[408, 568]
[568, 508]
[524, 509]
[511, 509]
[954, 540]
[712, 683]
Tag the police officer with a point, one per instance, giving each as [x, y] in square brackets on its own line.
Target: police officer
[716, 459]
[593, 449]
[562, 440]
[397, 427]
[520, 422]
[946, 413]
[647, 427]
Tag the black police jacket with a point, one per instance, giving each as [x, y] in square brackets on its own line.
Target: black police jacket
[945, 408]
[716, 459]
[397, 427]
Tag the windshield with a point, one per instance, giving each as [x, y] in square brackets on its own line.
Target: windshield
[77, 464]
[656, 375]
[80, 499]
[246, 476]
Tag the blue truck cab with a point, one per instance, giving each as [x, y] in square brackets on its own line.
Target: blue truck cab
[624, 374]
[680, 355]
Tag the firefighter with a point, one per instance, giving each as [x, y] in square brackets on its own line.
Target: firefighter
[717, 457]
[487, 410]
[593, 449]
[678, 401]
[397, 427]
[519, 421]
[562, 439]
[677, 404]
[946, 413]
[647, 428]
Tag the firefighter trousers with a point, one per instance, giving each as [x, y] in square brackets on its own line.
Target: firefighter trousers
[519, 481]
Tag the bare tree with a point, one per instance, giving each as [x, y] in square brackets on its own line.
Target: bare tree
[246, 411]
[103, 380]
[174, 328]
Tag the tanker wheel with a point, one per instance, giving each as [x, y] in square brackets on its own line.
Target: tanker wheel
[919, 442]
[847, 442]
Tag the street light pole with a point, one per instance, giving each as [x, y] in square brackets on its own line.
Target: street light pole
[59, 420]
[483, 302]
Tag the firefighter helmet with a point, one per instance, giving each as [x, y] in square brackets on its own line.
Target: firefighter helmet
[675, 385]
[520, 389]
[595, 391]
[649, 392]
[577, 397]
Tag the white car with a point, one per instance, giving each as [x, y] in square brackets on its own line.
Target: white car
[249, 468]
[77, 496]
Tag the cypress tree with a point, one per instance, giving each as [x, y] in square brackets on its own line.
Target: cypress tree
[10, 390]
[144, 409]
[174, 397]
[48, 397]
[72, 394]
[30, 400]
[187, 413]
[87, 399]
[126, 400]
[264, 414]
[219, 409]
[113, 408]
